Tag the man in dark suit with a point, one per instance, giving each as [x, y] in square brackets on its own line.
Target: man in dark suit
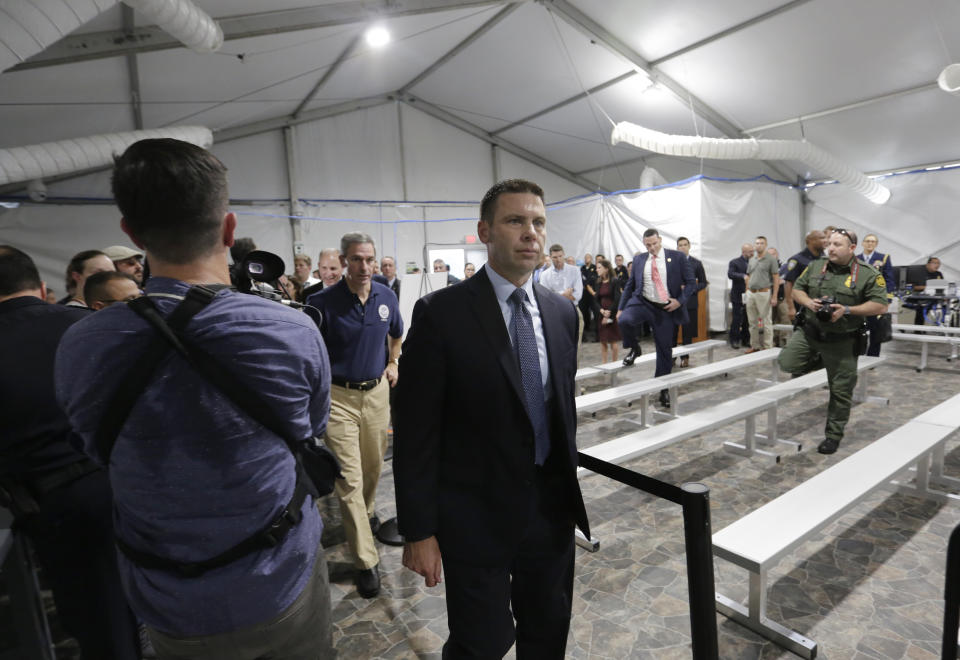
[487, 490]
[660, 283]
[690, 328]
[736, 272]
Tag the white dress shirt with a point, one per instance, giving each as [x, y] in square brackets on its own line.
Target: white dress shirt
[649, 290]
[503, 289]
[569, 277]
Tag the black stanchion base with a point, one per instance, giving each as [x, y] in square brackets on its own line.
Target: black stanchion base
[388, 533]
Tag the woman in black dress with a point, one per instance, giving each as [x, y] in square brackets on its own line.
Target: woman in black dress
[605, 307]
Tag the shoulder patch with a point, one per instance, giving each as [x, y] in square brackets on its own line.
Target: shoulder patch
[791, 264]
[882, 282]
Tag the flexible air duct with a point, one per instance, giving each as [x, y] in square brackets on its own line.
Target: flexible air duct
[39, 161]
[183, 21]
[651, 178]
[28, 27]
[750, 149]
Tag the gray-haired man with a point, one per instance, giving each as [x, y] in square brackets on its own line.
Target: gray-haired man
[358, 315]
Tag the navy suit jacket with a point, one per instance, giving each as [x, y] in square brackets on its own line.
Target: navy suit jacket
[881, 262]
[681, 282]
[463, 442]
[736, 270]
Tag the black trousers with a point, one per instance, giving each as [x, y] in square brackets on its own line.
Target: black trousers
[527, 599]
[633, 315]
[739, 325]
[73, 538]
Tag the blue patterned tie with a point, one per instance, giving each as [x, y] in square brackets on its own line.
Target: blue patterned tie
[525, 346]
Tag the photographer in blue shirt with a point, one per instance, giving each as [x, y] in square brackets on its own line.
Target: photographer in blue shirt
[193, 475]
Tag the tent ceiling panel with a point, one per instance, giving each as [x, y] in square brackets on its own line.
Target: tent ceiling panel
[416, 43]
[282, 66]
[525, 64]
[859, 138]
[816, 57]
[655, 29]
[48, 123]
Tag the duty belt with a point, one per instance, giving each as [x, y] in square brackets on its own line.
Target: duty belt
[817, 334]
[759, 290]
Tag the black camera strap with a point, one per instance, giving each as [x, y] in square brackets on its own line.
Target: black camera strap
[169, 334]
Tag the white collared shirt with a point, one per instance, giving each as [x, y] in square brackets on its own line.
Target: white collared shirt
[558, 281]
[649, 290]
[503, 289]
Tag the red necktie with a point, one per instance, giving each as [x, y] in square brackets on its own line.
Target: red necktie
[657, 281]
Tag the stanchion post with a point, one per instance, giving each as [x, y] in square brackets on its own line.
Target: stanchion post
[951, 596]
[698, 536]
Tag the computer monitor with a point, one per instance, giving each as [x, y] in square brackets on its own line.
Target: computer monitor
[916, 275]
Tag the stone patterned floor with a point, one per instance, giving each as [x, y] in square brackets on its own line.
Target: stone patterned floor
[869, 586]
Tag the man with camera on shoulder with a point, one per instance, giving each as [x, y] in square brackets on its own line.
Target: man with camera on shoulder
[837, 292]
[218, 534]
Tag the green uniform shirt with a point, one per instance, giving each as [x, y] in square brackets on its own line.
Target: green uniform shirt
[852, 284]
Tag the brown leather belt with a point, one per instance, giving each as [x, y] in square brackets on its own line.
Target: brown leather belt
[759, 290]
[363, 385]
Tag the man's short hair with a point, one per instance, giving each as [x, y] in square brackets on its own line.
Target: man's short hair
[556, 247]
[173, 196]
[849, 233]
[75, 265]
[650, 232]
[763, 238]
[932, 259]
[305, 258]
[17, 271]
[328, 252]
[614, 256]
[489, 203]
[682, 238]
[385, 257]
[95, 288]
[869, 235]
[355, 238]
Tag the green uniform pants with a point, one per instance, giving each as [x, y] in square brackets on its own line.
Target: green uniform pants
[803, 355]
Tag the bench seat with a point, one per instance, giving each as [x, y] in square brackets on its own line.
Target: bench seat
[761, 538]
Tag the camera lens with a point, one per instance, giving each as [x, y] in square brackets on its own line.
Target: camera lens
[255, 268]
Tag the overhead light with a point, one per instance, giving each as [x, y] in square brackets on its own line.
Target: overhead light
[377, 37]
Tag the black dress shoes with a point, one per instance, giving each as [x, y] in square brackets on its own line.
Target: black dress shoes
[368, 582]
[665, 398]
[375, 524]
[631, 357]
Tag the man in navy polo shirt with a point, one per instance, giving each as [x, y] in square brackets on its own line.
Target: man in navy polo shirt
[192, 474]
[358, 315]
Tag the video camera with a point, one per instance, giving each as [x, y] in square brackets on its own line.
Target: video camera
[259, 275]
[825, 313]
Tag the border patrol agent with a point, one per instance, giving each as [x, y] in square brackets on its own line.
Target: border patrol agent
[796, 264]
[358, 315]
[881, 262]
[858, 291]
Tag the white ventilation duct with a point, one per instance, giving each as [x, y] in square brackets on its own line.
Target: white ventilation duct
[39, 161]
[183, 21]
[751, 149]
[651, 178]
[28, 27]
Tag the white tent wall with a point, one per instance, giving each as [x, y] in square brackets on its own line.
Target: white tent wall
[734, 213]
[919, 221]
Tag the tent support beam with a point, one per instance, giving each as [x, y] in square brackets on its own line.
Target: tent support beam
[332, 69]
[476, 131]
[113, 43]
[133, 71]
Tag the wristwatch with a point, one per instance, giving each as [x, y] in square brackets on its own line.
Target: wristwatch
[846, 310]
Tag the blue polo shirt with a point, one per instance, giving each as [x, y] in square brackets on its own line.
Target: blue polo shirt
[355, 334]
[191, 474]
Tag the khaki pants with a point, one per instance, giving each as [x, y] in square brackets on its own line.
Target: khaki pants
[357, 435]
[758, 309]
[781, 314]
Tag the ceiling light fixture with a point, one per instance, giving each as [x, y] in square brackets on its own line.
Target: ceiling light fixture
[377, 37]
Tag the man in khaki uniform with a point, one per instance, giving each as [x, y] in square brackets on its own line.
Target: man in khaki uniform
[763, 282]
[358, 316]
[859, 291]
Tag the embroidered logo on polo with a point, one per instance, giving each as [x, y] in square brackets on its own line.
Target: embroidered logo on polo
[384, 312]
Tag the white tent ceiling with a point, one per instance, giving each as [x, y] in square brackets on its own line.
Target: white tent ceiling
[856, 78]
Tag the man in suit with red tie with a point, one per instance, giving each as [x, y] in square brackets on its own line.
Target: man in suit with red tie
[660, 283]
[485, 456]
